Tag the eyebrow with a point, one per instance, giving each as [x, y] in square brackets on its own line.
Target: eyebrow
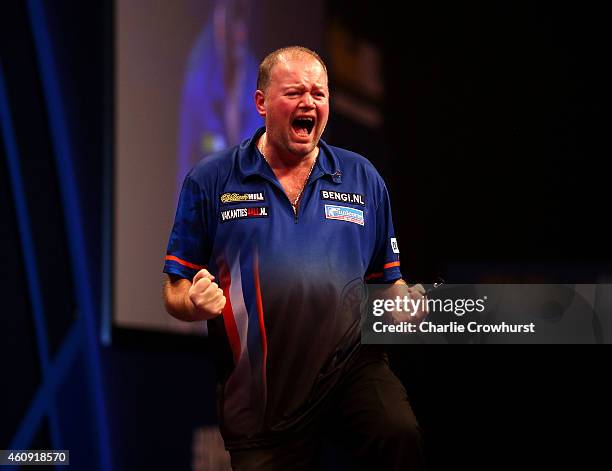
[287, 87]
[302, 87]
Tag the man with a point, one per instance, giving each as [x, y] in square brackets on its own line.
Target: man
[272, 239]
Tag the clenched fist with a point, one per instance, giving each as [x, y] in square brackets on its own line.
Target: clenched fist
[415, 296]
[206, 296]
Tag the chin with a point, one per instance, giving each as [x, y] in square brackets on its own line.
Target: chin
[302, 149]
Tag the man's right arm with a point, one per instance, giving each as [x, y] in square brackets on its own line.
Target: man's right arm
[196, 300]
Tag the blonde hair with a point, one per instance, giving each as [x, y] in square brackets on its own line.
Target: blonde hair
[265, 68]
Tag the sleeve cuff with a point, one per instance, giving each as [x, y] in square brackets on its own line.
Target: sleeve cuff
[176, 266]
[390, 273]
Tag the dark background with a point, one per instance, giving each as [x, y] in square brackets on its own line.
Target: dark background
[494, 121]
[494, 155]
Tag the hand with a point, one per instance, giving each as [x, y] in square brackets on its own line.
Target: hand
[205, 298]
[417, 295]
[418, 292]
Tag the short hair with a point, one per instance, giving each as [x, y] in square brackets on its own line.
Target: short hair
[265, 68]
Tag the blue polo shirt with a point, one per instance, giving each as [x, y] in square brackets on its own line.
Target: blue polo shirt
[292, 282]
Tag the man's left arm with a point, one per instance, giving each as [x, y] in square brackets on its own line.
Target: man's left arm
[385, 265]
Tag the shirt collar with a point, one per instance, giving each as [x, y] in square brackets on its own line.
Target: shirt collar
[251, 162]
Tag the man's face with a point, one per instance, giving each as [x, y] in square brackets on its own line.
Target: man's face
[295, 104]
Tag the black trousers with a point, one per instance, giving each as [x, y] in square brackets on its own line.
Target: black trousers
[366, 424]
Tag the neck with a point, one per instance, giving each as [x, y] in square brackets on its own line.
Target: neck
[285, 161]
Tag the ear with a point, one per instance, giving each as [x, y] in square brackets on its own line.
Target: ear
[260, 103]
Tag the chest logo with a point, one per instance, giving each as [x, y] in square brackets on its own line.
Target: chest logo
[351, 198]
[233, 198]
[244, 213]
[344, 213]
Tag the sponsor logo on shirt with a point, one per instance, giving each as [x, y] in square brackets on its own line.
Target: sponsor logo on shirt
[352, 198]
[232, 198]
[394, 245]
[244, 213]
[344, 213]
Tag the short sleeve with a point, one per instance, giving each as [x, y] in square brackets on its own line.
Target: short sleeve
[385, 264]
[188, 247]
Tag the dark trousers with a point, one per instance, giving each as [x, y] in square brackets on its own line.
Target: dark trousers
[367, 424]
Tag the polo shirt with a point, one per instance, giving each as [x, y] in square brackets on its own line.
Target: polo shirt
[293, 283]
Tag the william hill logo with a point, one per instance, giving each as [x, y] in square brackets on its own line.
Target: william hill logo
[231, 198]
[244, 213]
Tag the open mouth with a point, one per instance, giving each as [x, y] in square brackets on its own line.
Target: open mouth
[303, 126]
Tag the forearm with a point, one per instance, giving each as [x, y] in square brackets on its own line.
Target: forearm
[176, 300]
